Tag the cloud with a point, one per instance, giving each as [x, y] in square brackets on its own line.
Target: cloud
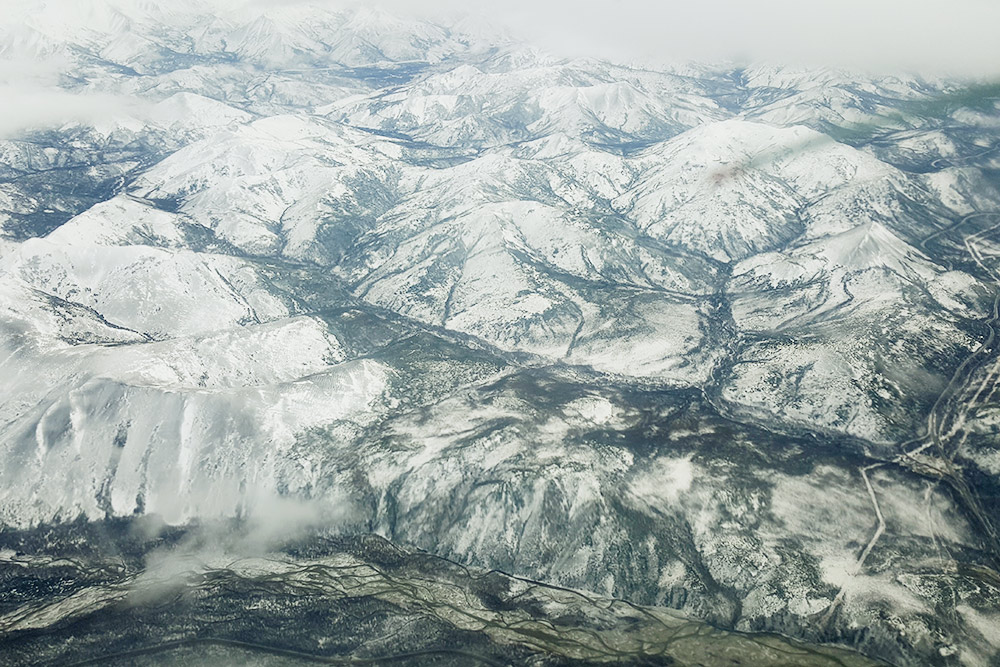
[271, 522]
[27, 107]
[30, 96]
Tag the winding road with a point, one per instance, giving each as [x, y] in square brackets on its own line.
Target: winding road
[955, 399]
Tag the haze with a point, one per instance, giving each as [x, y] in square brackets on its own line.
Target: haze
[925, 36]
[930, 37]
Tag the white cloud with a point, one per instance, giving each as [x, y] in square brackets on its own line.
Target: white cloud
[27, 107]
[30, 96]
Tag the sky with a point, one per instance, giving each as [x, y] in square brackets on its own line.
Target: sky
[932, 36]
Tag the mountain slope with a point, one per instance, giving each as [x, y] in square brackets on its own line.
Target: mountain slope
[713, 338]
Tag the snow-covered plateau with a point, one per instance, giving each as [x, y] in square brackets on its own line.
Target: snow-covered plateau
[719, 339]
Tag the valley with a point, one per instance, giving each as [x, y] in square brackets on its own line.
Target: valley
[341, 306]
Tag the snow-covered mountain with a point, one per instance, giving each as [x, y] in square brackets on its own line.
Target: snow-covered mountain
[718, 338]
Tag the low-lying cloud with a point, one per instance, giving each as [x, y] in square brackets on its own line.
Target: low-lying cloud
[28, 107]
[30, 96]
